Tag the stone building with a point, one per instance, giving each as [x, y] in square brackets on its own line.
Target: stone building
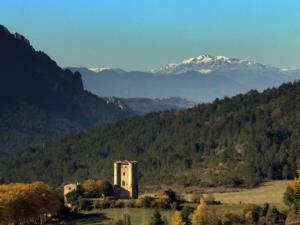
[67, 189]
[125, 179]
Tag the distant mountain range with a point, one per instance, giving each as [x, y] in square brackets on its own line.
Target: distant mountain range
[198, 79]
[39, 101]
[143, 106]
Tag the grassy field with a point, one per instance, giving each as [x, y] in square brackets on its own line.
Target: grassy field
[271, 192]
[138, 216]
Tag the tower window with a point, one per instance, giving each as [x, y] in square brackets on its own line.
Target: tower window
[123, 174]
[123, 183]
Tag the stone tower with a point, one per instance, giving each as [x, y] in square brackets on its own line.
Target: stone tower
[125, 179]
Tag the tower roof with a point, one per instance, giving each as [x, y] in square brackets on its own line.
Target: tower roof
[125, 162]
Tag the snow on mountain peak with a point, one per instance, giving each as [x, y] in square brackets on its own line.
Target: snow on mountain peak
[97, 69]
[208, 64]
[198, 59]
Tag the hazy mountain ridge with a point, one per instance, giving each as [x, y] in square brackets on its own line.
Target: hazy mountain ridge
[199, 79]
[192, 85]
[143, 106]
[39, 100]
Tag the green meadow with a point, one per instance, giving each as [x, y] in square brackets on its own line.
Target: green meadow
[271, 192]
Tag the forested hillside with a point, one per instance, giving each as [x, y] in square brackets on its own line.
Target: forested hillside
[40, 101]
[236, 141]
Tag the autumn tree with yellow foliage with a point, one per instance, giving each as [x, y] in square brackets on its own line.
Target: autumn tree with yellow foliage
[292, 199]
[204, 215]
[27, 203]
[292, 196]
[97, 188]
[177, 219]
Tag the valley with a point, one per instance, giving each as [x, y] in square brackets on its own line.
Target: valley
[236, 202]
[121, 112]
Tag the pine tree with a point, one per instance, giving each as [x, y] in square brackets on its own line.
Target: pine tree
[185, 212]
[156, 218]
[272, 215]
[285, 172]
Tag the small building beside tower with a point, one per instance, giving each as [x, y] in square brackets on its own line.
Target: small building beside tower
[125, 184]
[125, 179]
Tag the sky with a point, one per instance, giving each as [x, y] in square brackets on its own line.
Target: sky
[146, 34]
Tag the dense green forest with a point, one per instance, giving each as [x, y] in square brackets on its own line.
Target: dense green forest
[39, 101]
[241, 140]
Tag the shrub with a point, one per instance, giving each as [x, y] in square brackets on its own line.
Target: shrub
[98, 204]
[210, 200]
[138, 203]
[195, 198]
[119, 204]
[252, 213]
[229, 218]
[72, 196]
[111, 203]
[145, 202]
[166, 198]
[163, 202]
[292, 219]
[174, 206]
[292, 196]
[129, 204]
[272, 215]
[171, 194]
[90, 189]
[186, 212]
[96, 189]
[156, 218]
[177, 218]
[104, 188]
[84, 204]
[204, 215]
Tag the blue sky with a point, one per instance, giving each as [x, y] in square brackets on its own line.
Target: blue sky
[145, 34]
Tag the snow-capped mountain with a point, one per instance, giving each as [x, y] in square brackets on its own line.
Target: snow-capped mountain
[207, 64]
[198, 79]
[98, 69]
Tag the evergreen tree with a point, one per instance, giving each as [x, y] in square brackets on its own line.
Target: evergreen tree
[272, 215]
[186, 212]
[285, 172]
[156, 218]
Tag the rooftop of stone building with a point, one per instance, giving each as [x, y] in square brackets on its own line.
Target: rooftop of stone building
[126, 162]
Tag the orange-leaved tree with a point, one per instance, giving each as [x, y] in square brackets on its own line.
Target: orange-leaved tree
[27, 203]
[204, 215]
